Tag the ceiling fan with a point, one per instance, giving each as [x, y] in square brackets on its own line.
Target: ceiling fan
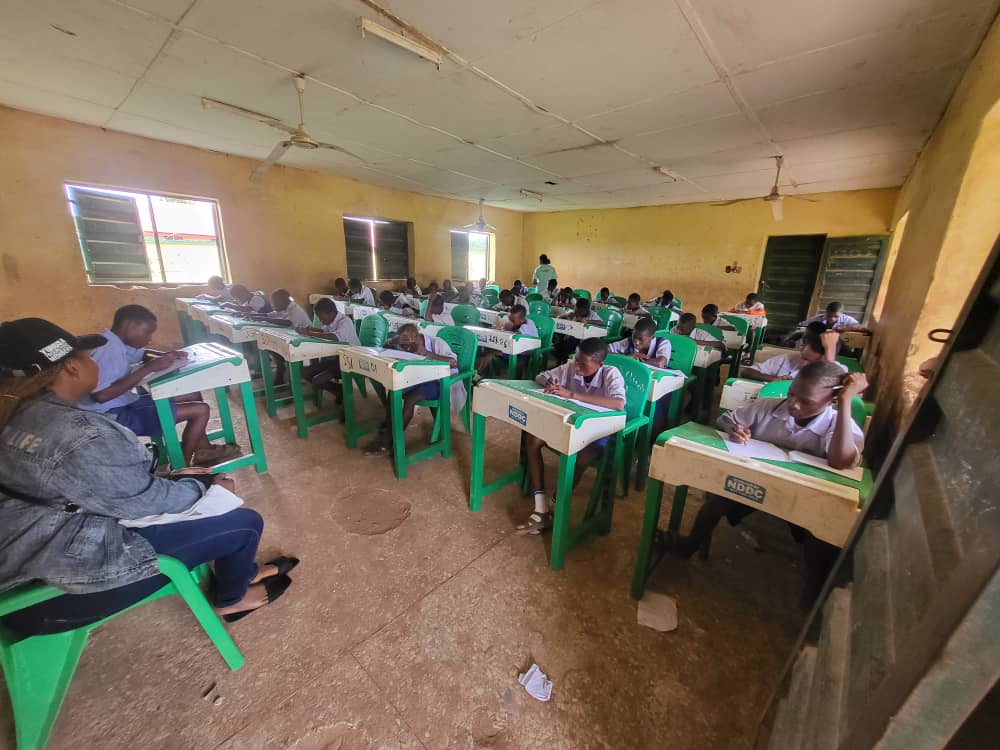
[774, 198]
[480, 225]
[297, 135]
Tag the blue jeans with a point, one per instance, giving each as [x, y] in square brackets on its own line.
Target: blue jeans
[140, 416]
[230, 540]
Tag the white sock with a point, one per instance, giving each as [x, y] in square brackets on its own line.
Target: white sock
[541, 503]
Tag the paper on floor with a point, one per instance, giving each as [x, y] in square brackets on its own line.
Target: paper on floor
[216, 501]
[536, 683]
[658, 611]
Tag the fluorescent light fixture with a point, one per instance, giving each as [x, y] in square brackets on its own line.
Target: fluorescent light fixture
[531, 194]
[361, 218]
[369, 26]
[777, 210]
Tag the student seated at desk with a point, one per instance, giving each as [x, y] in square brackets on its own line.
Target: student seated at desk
[710, 316]
[750, 306]
[435, 311]
[412, 288]
[686, 327]
[334, 326]
[465, 295]
[633, 305]
[70, 476]
[404, 304]
[340, 290]
[817, 344]
[643, 345]
[582, 313]
[358, 292]
[550, 292]
[518, 288]
[835, 319]
[585, 379]
[448, 291]
[604, 295]
[217, 290]
[120, 371]
[409, 339]
[565, 298]
[517, 322]
[805, 421]
[506, 301]
[286, 312]
[247, 303]
[666, 299]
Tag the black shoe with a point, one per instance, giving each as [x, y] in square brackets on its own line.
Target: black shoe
[275, 586]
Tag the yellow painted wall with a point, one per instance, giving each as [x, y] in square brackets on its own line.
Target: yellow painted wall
[952, 212]
[685, 248]
[286, 232]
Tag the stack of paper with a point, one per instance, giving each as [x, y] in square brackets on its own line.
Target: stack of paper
[761, 450]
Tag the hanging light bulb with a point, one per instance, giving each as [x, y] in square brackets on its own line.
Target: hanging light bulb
[777, 210]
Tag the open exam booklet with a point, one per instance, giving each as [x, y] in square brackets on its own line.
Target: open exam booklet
[760, 449]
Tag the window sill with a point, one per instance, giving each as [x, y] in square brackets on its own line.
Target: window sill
[154, 286]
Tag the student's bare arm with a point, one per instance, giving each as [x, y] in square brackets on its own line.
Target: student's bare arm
[843, 453]
[831, 340]
[605, 401]
[752, 374]
[130, 381]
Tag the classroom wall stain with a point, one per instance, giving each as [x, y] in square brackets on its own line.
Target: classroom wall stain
[286, 231]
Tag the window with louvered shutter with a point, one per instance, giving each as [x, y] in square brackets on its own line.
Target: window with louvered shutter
[111, 237]
[460, 256]
[392, 251]
[377, 249]
[358, 238]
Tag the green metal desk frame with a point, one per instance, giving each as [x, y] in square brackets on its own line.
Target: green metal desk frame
[401, 461]
[274, 395]
[597, 517]
[654, 496]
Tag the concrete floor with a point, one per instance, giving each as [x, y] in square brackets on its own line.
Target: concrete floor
[411, 617]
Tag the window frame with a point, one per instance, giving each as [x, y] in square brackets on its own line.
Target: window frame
[490, 253]
[220, 238]
[373, 274]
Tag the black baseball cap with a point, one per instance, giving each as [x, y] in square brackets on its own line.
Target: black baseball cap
[30, 345]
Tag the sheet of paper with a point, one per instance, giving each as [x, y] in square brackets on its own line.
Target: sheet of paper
[667, 370]
[216, 501]
[584, 404]
[857, 473]
[755, 449]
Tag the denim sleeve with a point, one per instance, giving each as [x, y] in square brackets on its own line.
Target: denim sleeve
[108, 474]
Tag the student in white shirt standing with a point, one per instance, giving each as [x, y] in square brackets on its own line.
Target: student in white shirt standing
[335, 326]
[804, 421]
[409, 339]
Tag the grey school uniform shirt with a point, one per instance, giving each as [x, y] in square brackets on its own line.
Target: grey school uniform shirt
[54, 453]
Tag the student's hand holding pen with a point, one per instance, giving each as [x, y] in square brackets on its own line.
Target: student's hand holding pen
[739, 433]
[556, 389]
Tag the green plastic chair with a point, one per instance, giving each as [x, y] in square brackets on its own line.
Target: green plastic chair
[714, 330]
[488, 298]
[494, 287]
[679, 303]
[465, 315]
[664, 317]
[466, 346]
[38, 669]
[742, 328]
[546, 326]
[534, 297]
[617, 301]
[374, 331]
[779, 389]
[539, 307]
[633, 440]
[582, 294]
[613, 321]
[683, 350]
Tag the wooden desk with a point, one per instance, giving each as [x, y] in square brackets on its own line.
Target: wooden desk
[692, 455]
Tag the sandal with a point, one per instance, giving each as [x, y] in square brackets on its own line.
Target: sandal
[536, 524]
[284, 564]
[275, 586]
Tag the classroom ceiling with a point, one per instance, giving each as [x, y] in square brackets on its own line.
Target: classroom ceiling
[590, 104]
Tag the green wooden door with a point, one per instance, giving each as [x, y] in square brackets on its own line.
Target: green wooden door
[850, 272]
[788, 278]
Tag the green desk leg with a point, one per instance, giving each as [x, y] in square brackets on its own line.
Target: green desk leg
[512, 367]
[654, 497]
[734, 362]
[350, 419]
[295, 381]
[560, 524]
[677, 509]
[184, 323]
[253, 427]
[270, 401]
[478, 462]
[174, 453]
[398, 436]
[228, 433]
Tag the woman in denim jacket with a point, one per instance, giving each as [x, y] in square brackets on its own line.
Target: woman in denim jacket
[66, 478]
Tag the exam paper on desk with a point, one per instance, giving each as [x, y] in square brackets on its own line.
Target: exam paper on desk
[760, 449]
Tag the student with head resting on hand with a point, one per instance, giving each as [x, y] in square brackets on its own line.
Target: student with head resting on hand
[334, 326]
[409, 339]
[817, 344]
[70, 476]
[585, 378]
[516, 322]
[247, 302]
[686, 327]
[217, 290]
[412, 288]
[805, 421]
[358, 292]
[750, 306]
[118, 376]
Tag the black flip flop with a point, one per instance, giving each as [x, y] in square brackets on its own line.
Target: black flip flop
[284, 564]
[275, 586]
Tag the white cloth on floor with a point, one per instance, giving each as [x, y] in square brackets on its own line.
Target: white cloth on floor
[536, 683]
[216, 501]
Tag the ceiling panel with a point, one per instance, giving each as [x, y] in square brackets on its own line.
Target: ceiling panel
[143, 126]
[101, 33]
[751, 158]
[585, 160]
[604, 57]
[625, 178]
[445, 103]
[662, 112]
[750, 34]
[916, 100]
[854, 183]
[720, 134]
[478, 163]
[381, 129]
[864, 60]
[539, 141]
[881, 139]
[881, 166]
[34, 99]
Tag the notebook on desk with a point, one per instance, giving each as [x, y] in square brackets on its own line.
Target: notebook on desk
[762, 450]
